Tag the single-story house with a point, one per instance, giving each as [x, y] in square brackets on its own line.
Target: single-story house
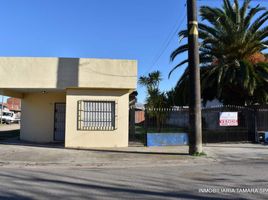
[83, 102]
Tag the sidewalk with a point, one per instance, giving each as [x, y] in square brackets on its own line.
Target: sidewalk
[14, 153]
[32, 156]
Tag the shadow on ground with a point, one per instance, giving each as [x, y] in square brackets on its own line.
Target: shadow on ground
[89, 188]
[237, 145]
[9, 134]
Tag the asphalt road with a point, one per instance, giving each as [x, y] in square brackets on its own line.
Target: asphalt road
[163, 176]
[182, 182]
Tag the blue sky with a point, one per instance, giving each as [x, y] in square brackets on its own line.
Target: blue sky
[119, 29]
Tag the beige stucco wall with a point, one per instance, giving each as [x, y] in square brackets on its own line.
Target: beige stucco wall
[86, 139]
[37, 119]
[81, 79]
[62, 73]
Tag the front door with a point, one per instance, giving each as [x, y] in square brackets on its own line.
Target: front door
[59, 121]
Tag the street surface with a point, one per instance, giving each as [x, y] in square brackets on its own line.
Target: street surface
[29, 172]
[229, 171]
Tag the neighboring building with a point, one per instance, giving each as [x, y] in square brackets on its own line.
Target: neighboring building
[139, 113]
[83, 102]
[213, 103]
[14, 104]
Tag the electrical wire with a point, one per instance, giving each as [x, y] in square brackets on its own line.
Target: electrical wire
[167, 41]
[261, 1]
[173, 33]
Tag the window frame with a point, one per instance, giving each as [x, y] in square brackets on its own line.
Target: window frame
[81, 111]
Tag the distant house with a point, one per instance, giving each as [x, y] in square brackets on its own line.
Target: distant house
[14, 104]
[139, 113]
[213, 103]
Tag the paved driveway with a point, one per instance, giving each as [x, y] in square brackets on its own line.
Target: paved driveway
[29, 172]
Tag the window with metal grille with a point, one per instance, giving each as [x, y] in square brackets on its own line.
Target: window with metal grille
[96, 115]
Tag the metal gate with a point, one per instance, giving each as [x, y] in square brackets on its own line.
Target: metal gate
[176, 120]
[59, 121]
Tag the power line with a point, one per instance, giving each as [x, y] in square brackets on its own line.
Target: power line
[173, 33]
[262, 1]
[167, 42]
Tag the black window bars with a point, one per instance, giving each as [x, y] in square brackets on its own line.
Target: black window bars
[96, 115]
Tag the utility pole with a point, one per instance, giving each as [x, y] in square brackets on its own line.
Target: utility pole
[195, 119]
[2, 107]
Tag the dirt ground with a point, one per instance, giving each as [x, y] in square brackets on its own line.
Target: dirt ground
[9, 127]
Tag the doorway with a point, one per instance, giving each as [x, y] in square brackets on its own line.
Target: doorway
[59, 121]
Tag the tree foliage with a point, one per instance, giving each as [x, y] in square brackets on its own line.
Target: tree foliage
[155, 98]
[233, 66]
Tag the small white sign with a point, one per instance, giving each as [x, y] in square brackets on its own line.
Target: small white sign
[228, 119]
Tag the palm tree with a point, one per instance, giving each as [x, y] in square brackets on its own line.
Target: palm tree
[151, 82]
[229, 39]
[155, 99]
